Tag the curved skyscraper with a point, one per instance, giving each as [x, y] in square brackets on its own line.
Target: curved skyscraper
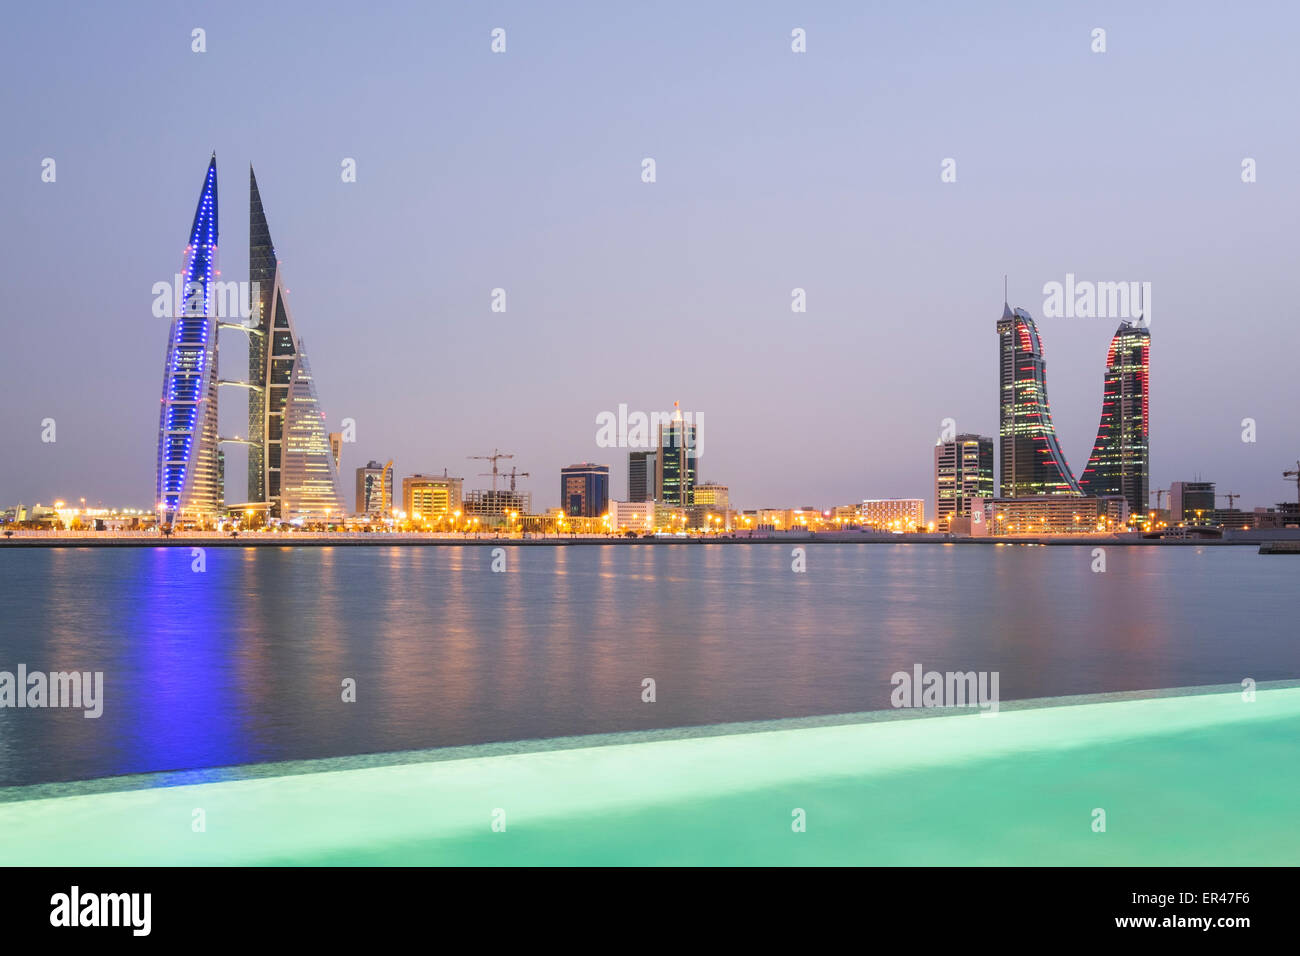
[1032, 460]
[189, 479]
[1119, 464]
[290, 466]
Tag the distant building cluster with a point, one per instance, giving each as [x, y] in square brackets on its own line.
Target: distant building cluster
[1037, 492]
[1111, 492]
[294, 461]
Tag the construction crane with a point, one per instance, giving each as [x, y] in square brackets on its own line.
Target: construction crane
[1160, 494]
[514, 475]
[1232, 497]
[1296, 475]
[494, 457]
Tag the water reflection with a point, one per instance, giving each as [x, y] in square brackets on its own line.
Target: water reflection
[244, 661]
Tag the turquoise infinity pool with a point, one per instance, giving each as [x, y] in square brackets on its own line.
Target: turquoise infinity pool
[1199, 776]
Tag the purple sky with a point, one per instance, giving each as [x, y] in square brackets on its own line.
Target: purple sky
[775, 170]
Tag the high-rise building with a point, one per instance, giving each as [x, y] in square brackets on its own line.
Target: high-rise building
[675, 463]
[375, 488]
[1191, 502]
[429, 497]
[279, 376]
[641, 476]
[963, 469]
[263, 270]
[1119, 463]
[584, 490]
[189, 469]
[1032, 460]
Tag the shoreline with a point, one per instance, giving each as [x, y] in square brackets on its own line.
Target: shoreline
[317, 539]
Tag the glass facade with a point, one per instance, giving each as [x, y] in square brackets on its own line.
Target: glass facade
[584, 490]
[1119, 464]
[1032, 460]
[675, 464]
[189, 470]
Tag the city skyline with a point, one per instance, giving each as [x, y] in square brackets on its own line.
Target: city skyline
[770, 178]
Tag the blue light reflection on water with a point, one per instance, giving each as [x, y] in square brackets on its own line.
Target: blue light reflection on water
[244, 662]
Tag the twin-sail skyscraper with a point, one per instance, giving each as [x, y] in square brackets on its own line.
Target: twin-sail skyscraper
[189, 485]
[292, 469]
[1032, 461]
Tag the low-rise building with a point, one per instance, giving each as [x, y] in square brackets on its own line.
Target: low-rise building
[631, 516]
[1048, 514]
[893, 514]
[429, 497]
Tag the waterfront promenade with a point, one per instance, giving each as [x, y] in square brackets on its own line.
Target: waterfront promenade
[386, 539]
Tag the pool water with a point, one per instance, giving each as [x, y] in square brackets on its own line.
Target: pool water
[1200, 776]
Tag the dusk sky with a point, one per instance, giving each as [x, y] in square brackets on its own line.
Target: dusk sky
[775, 170]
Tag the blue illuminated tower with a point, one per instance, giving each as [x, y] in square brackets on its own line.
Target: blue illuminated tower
[189, 480]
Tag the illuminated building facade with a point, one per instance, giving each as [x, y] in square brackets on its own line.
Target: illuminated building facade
[893, 514]
[1032, 460]
[631, 516]
[309, 481]
[584, 490]
[963, 469]
[675, 463]
[1119, 463]
[1048, 514]
[189, 472]
[713, 495]
[430, 497]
